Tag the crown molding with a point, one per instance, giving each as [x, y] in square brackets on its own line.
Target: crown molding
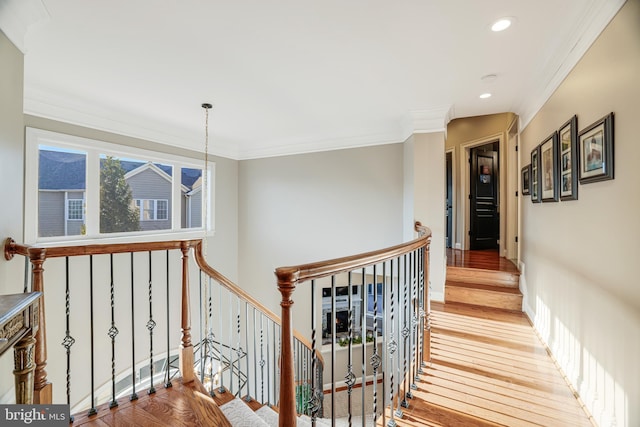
[426, 121]
[597, 15]
[318, 145]
[16, 16]
[71, 110]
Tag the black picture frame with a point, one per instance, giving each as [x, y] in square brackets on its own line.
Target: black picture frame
[568, 159]
[549, 168]
[535, 175]
[595, 144]
[525, 179]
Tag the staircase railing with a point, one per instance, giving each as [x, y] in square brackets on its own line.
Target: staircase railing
[123, 316]
[379, 297]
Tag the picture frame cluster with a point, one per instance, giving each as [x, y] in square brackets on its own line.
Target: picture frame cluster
[567, 157]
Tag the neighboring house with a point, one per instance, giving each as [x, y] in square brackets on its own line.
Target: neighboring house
[61, 200]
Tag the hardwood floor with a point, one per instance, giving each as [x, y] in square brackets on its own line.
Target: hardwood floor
[486, 259]
[180, 405]
[489, 368]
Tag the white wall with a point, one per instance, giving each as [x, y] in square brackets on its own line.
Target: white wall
[11, 172]
[312, 207]
[581, 257]
[429, 202]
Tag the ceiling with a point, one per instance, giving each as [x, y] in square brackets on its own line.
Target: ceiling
[289, 76]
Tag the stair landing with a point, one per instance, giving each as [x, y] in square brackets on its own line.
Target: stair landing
[482, 278]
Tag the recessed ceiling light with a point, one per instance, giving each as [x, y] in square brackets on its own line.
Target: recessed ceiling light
[501, 24]
[485, 95]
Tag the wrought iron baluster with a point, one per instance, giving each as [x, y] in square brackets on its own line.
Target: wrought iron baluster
[113, 332]
[365, 333]
[262, 361]
[134, 395]
[316, 386]
[405, 332]
[202, 339]
[398, 411]
[268, 363]
[350, 378]
[92, 410]
[334, 337]
[167, 381]
[255, 357]
[392, 347]
[414, 319]
[68, 340]
[221, 389]
[151, 324]
[246, 343]
[229, 341]
[375, 358]
[239, 350]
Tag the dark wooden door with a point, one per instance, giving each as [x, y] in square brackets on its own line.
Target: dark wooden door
[485, 221]
[449, 201]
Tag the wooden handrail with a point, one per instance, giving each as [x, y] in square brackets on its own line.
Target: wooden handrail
[38, 254]
[290, 277]
[233, 288]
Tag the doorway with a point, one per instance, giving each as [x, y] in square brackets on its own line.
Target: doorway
[449, 198]
[484, 213]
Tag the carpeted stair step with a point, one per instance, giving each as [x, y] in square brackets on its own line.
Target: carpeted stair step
[240, 415]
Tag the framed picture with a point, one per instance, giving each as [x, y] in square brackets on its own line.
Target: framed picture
[535, 175]
[526, 178]
[567, 149]
[549, 168]
[596, 151]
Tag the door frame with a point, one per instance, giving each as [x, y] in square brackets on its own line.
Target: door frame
[454, 197]
[465, 173]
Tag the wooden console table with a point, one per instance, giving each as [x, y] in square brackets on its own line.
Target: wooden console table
[18, 325]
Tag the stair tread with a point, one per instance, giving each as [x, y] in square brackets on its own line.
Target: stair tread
[479, 286]
[240, 415]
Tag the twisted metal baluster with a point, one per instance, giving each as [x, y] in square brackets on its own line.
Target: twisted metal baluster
[398, 411]
[262, 361]
[375, 358]
[68, 340]
[113, 332]
[314, 401]
[405, 332]
[414, 322]
[151, 324]
[134, 395]
[239, 350]
[92, 410]
[350, 378]
[167, 382]
[392, 347]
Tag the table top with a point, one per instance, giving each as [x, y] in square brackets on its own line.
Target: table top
[13, 304]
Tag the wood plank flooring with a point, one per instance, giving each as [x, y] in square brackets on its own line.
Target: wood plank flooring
[182, 405]
[485, 259]
[490, 369]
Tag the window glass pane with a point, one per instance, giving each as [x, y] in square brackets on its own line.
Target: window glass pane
[162, 209]
[191, 198]
[130, 190]
[61, 178]
[75, 209]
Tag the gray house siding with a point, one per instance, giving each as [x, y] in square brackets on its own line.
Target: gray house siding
[149, 185]
[195, 211]
[51, 213]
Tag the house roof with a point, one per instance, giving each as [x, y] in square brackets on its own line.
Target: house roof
[63, 170]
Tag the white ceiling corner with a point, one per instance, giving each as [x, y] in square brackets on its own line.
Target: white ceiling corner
[17, 15]
[585, 31]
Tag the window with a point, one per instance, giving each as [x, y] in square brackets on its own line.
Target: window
[152, 210]
[88, 189]
[75, 209]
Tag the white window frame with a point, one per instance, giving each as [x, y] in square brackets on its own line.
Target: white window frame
[94, 148]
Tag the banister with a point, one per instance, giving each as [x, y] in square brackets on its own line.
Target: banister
[305, 272]
[233, 288]
[289, 277]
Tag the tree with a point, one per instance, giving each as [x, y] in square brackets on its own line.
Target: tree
[117, 212]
